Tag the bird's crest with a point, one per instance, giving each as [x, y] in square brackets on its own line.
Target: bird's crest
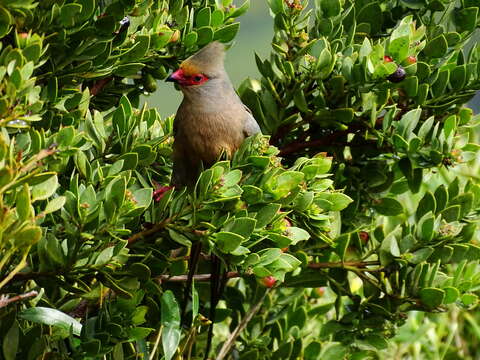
[208, 60]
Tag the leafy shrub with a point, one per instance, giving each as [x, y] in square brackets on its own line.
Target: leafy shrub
[361, 206]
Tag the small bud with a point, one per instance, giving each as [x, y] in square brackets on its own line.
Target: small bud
[398, 75]
[269, 281]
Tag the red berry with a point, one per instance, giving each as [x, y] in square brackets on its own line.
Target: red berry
[387, 58]
[285, 249]
[269, 281]
[411, 59]
[320, 291]
[364, 236]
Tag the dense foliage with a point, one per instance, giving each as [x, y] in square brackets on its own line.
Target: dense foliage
[360, 207]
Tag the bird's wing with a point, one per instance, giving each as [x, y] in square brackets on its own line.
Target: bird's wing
[251, 126]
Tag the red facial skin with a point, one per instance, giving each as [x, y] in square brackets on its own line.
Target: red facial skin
[187, 80]
[387, 58]
[269, 281]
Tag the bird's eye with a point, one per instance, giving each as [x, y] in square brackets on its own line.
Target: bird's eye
[197, 78]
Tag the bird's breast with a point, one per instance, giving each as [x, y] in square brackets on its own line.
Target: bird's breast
[207, 135]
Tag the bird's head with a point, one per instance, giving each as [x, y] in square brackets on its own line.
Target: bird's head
[202, 67]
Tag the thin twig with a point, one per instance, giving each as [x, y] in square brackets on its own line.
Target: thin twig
[227, 346]
[147, 232]
[5, 300]
[199, 277]
[157, 341]
[326, 265]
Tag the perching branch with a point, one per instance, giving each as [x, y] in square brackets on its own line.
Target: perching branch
[5, 300]
[157, 227]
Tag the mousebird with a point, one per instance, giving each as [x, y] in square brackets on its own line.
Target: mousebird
[211, 118]
[211, 121]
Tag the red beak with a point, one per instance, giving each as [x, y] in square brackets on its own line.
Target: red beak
[176, 76]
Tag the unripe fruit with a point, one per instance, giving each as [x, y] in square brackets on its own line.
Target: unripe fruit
[411, 59]
[364, 236]
[398, 75]
[320, 291]
[269, 281]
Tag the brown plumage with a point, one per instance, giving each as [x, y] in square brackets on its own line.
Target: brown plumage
[211, 118]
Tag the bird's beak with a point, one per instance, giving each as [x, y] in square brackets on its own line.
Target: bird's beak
[175, 76]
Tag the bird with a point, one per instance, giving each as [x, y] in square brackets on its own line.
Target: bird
[210, 121]
[211, 118]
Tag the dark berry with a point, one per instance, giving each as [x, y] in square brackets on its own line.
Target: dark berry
[398, 75]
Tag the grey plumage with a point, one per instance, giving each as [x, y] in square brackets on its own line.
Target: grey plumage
[211, 119]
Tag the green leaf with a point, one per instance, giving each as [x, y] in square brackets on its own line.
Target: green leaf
[388, 207]
[451, 295]
[179, 238]
[432, 297]
[252, 194]
[408, 123]
[28, 236]
[171, 322]
[138, 50]
[335, 201]
[421, 255]
[436, 47]
[45, 189]
[297, 234]
[52, 317]
[23, 204]
[55, 204]
[205, 35]
[228, 241]
[466, 19]
[425, 227]
[203, 17]
[227, 33]
[5, 21]
[104, 256]
[330, 8]
[266, 214]
[451, 213]
[10, 342]
[242, 226]
[276, 6]
[469, 299]
[426, 204]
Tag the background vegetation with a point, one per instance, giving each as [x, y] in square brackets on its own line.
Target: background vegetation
[340, 234]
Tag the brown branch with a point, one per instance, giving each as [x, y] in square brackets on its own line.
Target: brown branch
[358, 264]
[327, 140]
[5, 300]
[199, 277]
[157, 227]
